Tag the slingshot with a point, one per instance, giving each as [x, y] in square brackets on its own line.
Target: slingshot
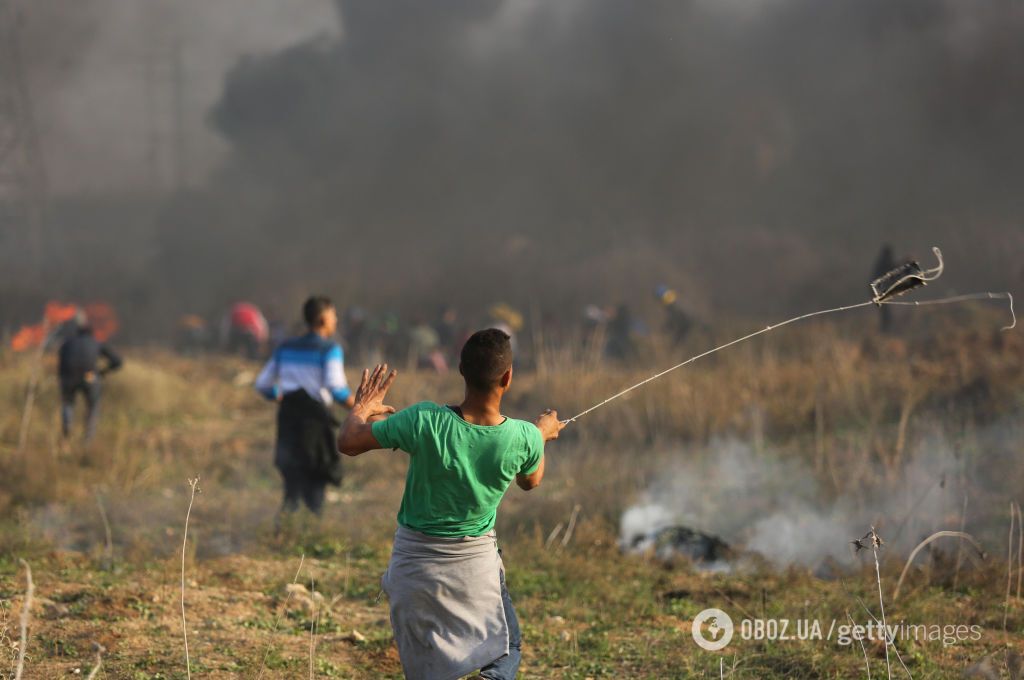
[894, 283]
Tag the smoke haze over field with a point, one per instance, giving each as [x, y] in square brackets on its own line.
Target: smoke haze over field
[773, 505]
[753, 154]
[107, 74]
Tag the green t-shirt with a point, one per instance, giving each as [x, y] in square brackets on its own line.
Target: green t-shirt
[458, 471]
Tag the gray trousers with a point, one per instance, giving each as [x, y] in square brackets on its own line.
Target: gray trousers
[91, 391]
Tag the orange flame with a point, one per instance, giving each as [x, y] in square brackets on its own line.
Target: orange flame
[57, 313]
[28, 337]
[102, 318]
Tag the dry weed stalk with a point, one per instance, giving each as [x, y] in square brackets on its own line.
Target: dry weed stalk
[26, 609]
[348, 572]
[874, 543]
[819, 431]
[99, 660]
[30, 395]
[960, 546]
[5, 639]
[1009, 566]
[732, 669]
[1020, 548]
[280, 615]
[572, 525]
[890, 640]
[194, 484]
[863, 650]
[937, 535]
[314, 616]
[553, 535]
[106, 528]
[906, 411]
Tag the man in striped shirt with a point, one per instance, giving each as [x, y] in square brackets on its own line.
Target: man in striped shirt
[305, 375]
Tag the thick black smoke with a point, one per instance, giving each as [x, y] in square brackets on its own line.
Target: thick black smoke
[754, 154]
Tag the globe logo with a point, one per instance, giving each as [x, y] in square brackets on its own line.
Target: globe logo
[712, 629]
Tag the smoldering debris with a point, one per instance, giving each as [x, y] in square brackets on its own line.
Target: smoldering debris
[748, 504]
[672, 543]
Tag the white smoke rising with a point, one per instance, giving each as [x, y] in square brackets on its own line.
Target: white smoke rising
[773, 505]
[644, 520]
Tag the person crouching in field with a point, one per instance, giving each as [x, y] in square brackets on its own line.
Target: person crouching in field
[306, 375]
[450, 610]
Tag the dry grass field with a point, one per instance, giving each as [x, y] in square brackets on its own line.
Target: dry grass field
[787, 447]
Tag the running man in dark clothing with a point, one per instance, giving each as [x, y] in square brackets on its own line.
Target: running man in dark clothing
[78, 371]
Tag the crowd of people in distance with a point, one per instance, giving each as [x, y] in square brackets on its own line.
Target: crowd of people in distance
[432, 343]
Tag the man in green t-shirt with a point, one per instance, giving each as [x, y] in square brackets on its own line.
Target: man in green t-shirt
[450, 609]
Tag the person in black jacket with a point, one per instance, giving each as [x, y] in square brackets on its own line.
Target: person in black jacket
[78, 370]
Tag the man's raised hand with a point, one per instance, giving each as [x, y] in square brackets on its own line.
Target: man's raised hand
[372, 390]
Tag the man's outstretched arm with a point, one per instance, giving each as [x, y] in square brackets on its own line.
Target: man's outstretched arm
[549, 426]
[356, 434]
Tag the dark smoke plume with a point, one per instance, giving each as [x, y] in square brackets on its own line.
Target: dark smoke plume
[754, 154]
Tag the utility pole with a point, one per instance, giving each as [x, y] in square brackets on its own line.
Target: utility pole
[180, 141]
[152, 134]
[22, 177]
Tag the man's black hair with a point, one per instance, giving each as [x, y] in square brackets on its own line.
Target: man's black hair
[314, 308]
[485, 358]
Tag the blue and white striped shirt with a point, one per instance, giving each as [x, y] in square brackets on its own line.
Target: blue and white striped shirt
[309, 363]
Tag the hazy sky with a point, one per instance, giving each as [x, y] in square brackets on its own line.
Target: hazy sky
[754, 153]
[104, 79]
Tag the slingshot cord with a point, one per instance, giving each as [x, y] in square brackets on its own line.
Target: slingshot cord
[962, 298]
[941, 301]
